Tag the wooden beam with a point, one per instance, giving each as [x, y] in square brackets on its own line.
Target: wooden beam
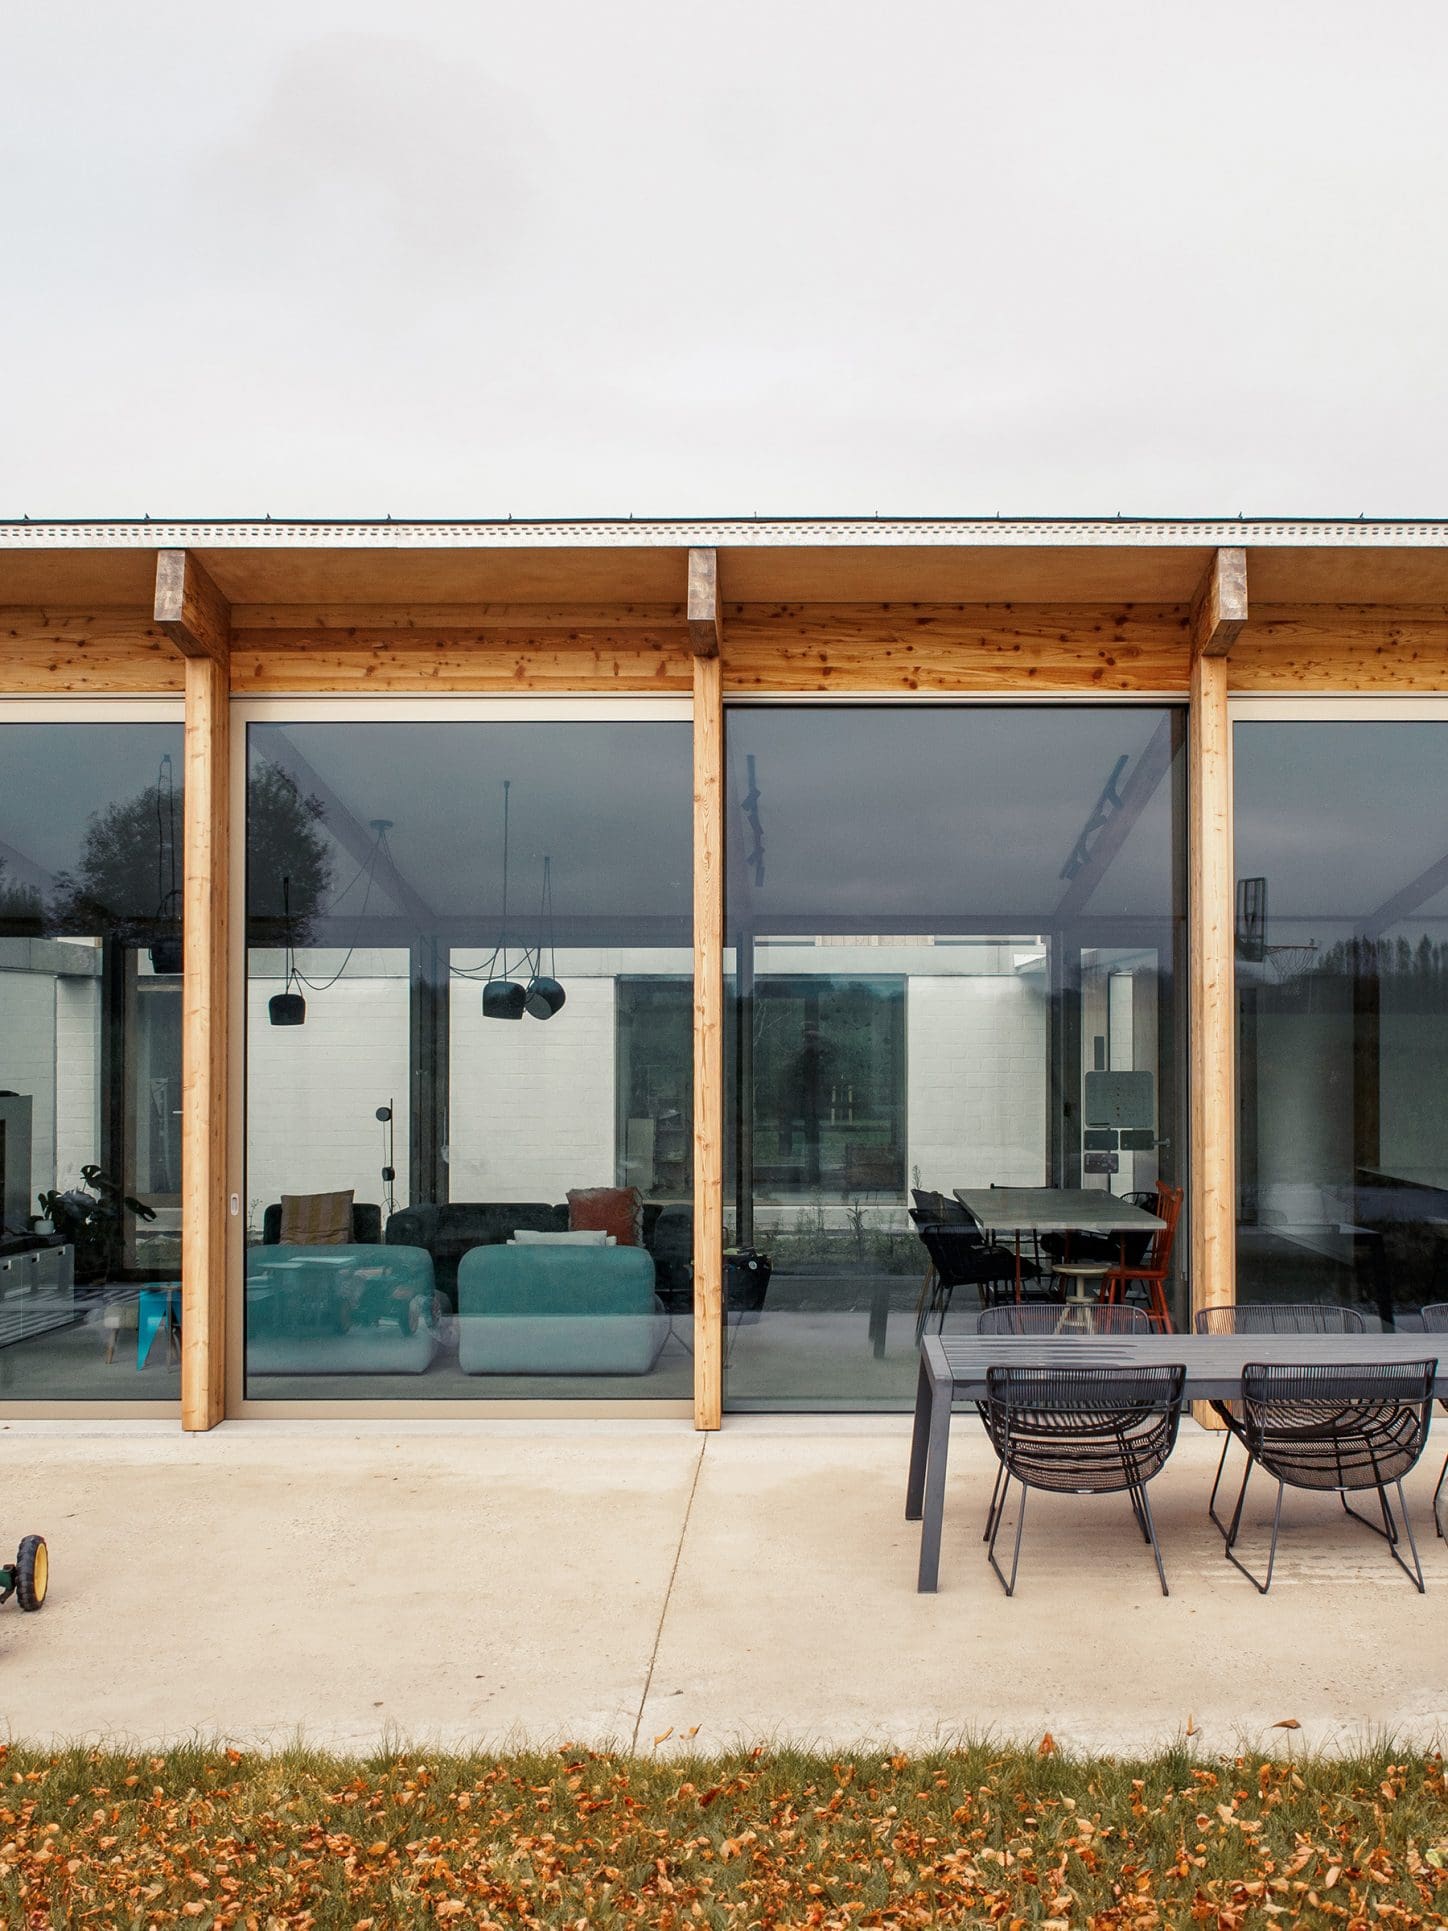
[204, 1042]
[189, 607]
[708, 1043]
[1219, 609]
[706, 622]
[1211, 919]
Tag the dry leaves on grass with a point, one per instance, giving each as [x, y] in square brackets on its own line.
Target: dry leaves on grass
[1008, 1837]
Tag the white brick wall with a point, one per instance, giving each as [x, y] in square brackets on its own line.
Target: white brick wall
[532, 1105]
[28, 1065]
[976, 1048]
[77, 1078]
[313, 1090]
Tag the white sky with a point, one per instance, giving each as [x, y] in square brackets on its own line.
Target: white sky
[794, 257]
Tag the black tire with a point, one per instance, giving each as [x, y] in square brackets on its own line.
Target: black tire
[32, 1572]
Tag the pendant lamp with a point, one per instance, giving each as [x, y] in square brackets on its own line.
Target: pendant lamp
[287, 1008]
[166, 949]
[544, 995]
[504, 998]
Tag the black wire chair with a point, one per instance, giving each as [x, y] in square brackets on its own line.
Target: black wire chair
[1080, 1431]
[1054, 1318]
[961, 1257]
[1336, 1430]
[1267, 1317]
[1435, 1321]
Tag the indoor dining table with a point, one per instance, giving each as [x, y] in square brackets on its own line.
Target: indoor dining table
[1054, 1210]
[954, 1368]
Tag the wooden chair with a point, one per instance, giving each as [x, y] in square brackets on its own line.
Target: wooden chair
[1154, 1267]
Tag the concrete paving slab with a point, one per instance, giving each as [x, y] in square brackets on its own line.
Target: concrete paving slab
[258, 1582]
[468, 1584]
[794, 1613]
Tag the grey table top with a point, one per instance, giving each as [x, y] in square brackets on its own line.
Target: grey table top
[1055, 1210]
[1213, 1362]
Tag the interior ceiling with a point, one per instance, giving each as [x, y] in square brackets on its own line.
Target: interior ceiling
[653, 577]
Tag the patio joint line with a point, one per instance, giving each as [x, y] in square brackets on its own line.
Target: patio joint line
[668, 1594]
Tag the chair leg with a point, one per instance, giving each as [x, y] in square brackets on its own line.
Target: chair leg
[1212, 1499]
[1150, 1526]
[995, 1502]
[1437, 1495]
[1009, 1587]
[1137, 1511]
[944, 1298]
[1230, 1551]
[1415, 1573]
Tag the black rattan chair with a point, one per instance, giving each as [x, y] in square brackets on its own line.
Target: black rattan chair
[961, 1258]
[1435, 1321]
[1054, 1318]
[1337, 1430]
[1267, 1317]
[1080, 1431]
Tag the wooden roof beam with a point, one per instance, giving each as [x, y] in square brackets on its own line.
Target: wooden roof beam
[1219, 609]
[190, 609]
[706, 621]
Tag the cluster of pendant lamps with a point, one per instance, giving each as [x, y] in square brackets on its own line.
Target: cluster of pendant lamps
[533, 991]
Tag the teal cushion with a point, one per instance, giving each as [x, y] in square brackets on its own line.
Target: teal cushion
[558, 1310]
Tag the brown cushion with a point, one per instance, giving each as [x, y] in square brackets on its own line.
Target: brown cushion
[316, 1219]
[617, 1210]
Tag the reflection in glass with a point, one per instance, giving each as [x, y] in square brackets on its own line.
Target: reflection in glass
[1342, 996]
[469, 1126]
[945, 924]
[90, 1064]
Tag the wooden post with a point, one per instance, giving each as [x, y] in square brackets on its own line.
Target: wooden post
[196, 618]
[1219, 612]
[706, 622]
[708, 1042]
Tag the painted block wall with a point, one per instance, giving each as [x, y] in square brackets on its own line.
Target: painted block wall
[532, 1104]
[976, 1048]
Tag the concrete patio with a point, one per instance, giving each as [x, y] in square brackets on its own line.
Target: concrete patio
[468, 1584]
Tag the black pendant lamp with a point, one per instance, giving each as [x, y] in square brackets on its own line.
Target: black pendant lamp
[504, 998]
[288, 1008]
[166, 950]
[544, 995]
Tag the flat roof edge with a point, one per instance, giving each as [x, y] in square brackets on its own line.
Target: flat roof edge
[738, 533]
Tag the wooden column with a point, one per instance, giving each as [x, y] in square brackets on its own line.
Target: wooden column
[195, 616]
[705, 630]
[1219, 612]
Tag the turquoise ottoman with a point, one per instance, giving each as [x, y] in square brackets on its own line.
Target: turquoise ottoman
[558, 1311]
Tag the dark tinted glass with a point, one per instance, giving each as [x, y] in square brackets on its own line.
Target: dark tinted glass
[1342, 987]
[951, 929]
[90, 1061]
[469, 1113]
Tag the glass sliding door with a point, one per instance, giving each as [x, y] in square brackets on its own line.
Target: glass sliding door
[469, 1058]
[90, 1060]
[1341, 827]
[946, 927]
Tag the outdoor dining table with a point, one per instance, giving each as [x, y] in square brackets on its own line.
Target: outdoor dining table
[1054, 1210]
[954, 1367]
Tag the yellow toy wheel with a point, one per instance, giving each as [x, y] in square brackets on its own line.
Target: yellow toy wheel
[32, 1572]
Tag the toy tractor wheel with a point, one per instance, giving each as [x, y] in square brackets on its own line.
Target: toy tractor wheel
[32, 1572]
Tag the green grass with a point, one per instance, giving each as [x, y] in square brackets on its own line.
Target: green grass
[978, 1836]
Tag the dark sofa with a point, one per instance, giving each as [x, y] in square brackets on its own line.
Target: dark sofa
[452, 1230]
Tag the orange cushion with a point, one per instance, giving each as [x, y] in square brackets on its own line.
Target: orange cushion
[617, 1210]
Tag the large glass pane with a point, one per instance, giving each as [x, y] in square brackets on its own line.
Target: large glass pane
[948, 928]
[469, 1109]
[90, 1061]
[1342, 996]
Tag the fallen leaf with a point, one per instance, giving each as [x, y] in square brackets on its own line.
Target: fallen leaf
[1191, 1724]
[663, 1734]
[1047, 1746]
[1287, 1723]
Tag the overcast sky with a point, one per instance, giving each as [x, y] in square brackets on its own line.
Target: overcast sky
[340, 258]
